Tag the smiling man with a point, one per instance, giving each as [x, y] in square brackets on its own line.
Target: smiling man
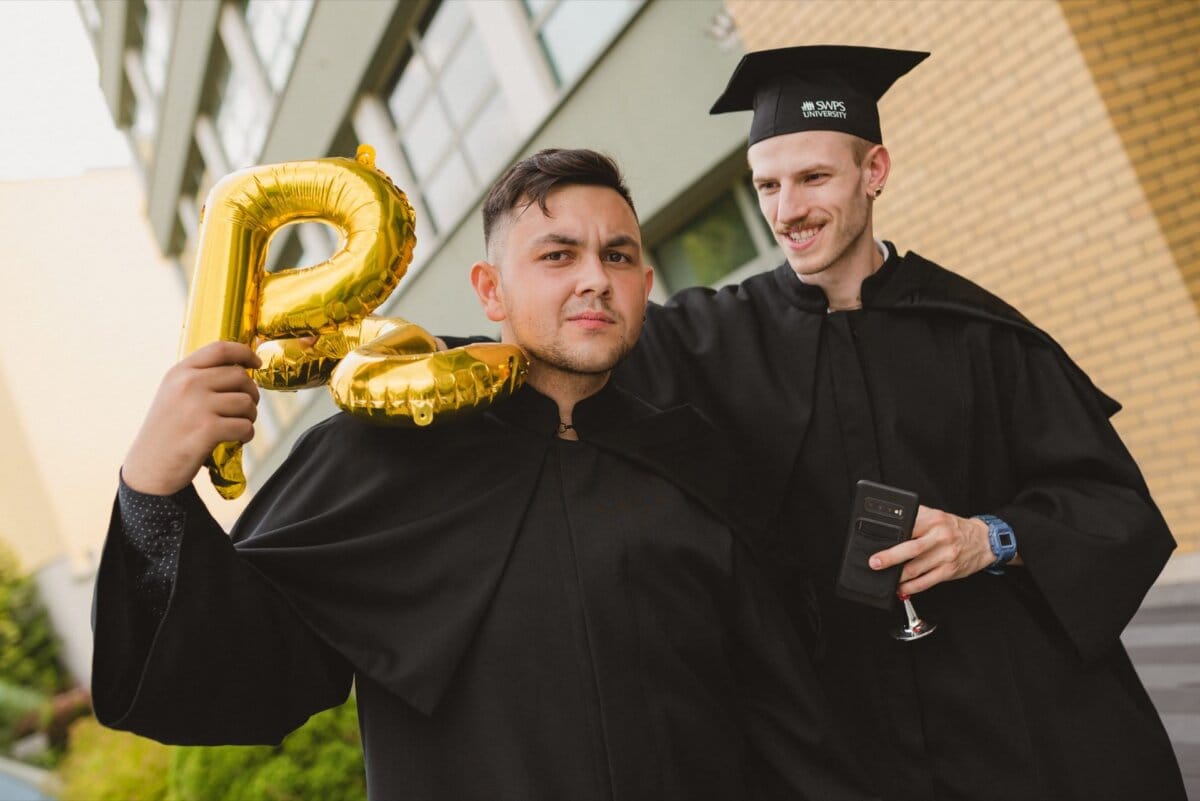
[544, 602]
[1037, 539]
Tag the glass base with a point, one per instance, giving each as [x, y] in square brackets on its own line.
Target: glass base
[915, 628]
[907, 633]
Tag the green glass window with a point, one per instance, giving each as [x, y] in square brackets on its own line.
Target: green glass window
[708, 247]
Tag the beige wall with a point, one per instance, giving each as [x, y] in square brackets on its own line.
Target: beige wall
[1010, 168]
[92, 319]
[28, 522]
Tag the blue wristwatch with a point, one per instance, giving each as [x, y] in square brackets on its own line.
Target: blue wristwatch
[1003, 542]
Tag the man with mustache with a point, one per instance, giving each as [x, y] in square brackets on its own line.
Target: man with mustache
[1037, 538]
[544, 602]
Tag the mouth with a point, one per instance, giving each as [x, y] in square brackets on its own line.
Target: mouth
[591, 319]
[798, 239]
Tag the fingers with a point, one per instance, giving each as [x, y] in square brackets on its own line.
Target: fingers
[898, 554]
[226, 379]
[235, 404]
[927, 517]
[226, 429]
[220, 353]
[205, 399]
[925, 581]
[928, 520]
[944, 547]
[921, 568]
[922, 555]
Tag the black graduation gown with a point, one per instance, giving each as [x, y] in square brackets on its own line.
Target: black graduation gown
[524, 617]
[1024, 691]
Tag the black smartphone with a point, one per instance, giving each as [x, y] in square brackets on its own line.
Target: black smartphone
[880, 517]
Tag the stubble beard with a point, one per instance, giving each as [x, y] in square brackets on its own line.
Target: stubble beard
[557, 358]
[848, 236]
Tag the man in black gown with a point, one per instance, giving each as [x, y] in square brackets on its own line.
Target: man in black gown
[1037, 539]
[540, 603]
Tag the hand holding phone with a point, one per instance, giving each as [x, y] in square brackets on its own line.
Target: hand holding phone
[880, 517]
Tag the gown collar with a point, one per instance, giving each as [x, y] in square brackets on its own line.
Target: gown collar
[535, 412]
[677, 444]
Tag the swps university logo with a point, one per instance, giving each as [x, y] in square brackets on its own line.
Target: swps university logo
[823, 108]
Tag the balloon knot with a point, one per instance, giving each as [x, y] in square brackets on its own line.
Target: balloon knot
[365, 155]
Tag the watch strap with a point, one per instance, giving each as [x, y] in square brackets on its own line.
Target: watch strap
[1002, 540]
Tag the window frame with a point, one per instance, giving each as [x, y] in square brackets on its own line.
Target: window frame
[767, 255]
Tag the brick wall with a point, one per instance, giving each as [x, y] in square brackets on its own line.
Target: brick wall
[1050, 153]
[1145, 59]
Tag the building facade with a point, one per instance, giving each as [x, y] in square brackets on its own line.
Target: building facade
[1043, 151]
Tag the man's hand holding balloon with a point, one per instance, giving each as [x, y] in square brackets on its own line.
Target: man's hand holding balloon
[206, 399]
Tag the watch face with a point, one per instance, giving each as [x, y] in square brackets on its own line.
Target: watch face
[1006, 539]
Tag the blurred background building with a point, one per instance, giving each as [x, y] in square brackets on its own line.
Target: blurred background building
[1045, 150]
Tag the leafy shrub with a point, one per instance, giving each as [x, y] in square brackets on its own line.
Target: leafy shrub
[17, 704]
[322, 759]
[29, 653]
[106, 765]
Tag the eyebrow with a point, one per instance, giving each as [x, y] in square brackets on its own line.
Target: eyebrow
[619, 241]
[557, 239]
[818, 166]
[622, 241]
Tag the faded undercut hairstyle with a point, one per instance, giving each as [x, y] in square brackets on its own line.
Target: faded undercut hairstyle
[859, 148]
[532, 179]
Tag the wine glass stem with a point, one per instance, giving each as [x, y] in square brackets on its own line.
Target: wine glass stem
[913, 620]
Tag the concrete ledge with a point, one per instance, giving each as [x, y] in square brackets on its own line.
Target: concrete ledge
[1181, 567]
[1184, 593]
[1179, 583]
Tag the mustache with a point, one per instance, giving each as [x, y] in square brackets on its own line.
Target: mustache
[599, 307]
[798, 226]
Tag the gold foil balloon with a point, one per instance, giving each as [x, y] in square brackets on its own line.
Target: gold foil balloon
[312, 323]
[304, 362]
[388, 370]
[234, 298]
[383, 383]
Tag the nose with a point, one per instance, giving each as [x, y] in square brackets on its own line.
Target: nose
[593, 276]
[793, 204]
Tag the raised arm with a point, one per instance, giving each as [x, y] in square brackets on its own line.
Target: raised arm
[192, 644]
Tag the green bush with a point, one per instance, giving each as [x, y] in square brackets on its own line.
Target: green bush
[16, 705]
[106, 765]
[29, 654]
[320, 760]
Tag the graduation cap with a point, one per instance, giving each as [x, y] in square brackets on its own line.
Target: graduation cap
[815, 88]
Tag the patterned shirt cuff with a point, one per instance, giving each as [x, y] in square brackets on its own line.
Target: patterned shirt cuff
[153, 526]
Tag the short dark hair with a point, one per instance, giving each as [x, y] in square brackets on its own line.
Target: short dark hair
[532, 179]
[859, 148]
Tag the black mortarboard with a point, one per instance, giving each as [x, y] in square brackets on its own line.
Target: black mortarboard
[815, 88]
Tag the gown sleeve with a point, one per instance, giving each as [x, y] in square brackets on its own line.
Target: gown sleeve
[786, 717]
[1090, 537]
[211, 653]
[678, 342]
